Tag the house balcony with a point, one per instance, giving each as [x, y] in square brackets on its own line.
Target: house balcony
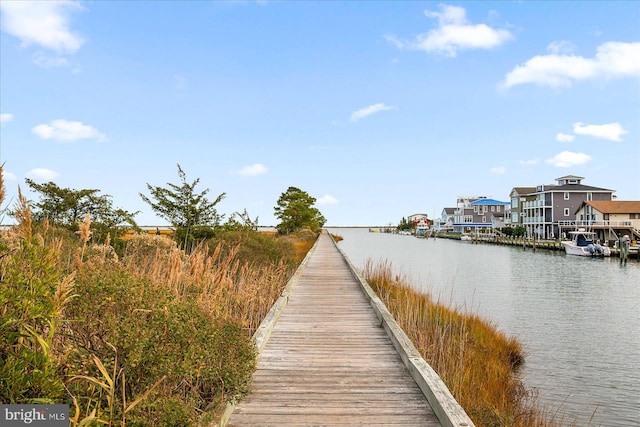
[538, 219]
[535, 204]
[596, 224]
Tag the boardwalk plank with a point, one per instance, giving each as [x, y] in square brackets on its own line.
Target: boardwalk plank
[329, 361]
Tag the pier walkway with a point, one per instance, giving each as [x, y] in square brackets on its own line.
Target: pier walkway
[326, 358]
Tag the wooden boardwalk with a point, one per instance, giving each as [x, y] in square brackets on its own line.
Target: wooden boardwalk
[328, 361]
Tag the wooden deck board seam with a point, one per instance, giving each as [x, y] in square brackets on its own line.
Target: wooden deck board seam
[334, 321]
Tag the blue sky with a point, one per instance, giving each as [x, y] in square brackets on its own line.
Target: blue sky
[377, 109]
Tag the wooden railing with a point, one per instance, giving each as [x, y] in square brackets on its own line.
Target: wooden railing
[598, 223]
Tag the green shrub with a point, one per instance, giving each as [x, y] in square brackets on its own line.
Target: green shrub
[30, 303]
[257, 249]
[143, 333]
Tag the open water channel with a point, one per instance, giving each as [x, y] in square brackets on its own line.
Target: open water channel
[578, 318]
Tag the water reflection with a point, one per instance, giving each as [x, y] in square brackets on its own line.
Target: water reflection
[578, 317]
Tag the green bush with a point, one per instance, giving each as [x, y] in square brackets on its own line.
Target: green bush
[29, 309]
[139, 330]
[257, 249]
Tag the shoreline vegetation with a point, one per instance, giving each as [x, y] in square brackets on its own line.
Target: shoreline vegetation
[148, 335]
[478, 363]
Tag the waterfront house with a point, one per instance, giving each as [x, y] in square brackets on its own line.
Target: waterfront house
[477, 213]
[416, 218]
[520, 195]
[445, 223]
[499, 219]
[423, 226]
[550, 209]
[610, 218]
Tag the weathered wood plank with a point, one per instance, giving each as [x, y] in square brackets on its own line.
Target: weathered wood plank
[328, 361]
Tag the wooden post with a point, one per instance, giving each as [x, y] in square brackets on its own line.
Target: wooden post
[534, 242]
[623, 247]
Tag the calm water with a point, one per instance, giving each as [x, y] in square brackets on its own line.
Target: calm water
[579, 318]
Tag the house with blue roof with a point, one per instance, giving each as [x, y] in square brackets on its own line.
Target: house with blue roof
[474, 213]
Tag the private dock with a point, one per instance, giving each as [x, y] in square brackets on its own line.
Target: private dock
[331, 354]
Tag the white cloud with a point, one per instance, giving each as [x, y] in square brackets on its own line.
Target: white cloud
[367, 111]
[612, 60]
[42, 174]
[529, 162]
[9, 176]
[563, 137]
[567, 159]
[45, 61]
[42, 23]
[253, 170]
[454, 33]
[6, 118]
[561, 46]
[500, 170]
[327, 199]
[610, 131]
[64, 130]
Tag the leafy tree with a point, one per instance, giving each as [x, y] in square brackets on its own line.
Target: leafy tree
[241, 222]
[519, 231]
[404, 225]
[192, 215]
[507, 231]
[295, 211]
[66, 207]
[62, 206]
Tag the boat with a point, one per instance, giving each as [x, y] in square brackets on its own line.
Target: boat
[583, 243]
[466, 238]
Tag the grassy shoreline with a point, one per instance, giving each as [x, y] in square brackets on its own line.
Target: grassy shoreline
[476, 361]
[155, 335]
[149, 336]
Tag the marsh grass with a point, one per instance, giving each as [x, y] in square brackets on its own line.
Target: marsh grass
[154, 336]
[476, 361]
[185, 318]
[223, 285]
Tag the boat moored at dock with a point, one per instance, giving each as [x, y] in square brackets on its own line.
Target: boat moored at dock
[582, 243]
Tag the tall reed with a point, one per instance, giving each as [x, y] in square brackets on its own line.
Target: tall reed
[476, 361]
[155, 336]
[3, 192]
[221, 283]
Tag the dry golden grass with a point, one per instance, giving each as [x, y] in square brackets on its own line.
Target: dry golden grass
[23, 217]
[232, 290]
[302, 247]
[2, 187]
[477, 362]
[221, 284]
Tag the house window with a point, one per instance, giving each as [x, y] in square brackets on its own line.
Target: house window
[493, 208]
[468, 218]
[498, 208]
[475, 209]
[566, 211]
[484, 219]
[589, 196]
[566, 195]
[634, 216]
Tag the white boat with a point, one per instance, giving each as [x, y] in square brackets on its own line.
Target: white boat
[466, 238]
[582, 243]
